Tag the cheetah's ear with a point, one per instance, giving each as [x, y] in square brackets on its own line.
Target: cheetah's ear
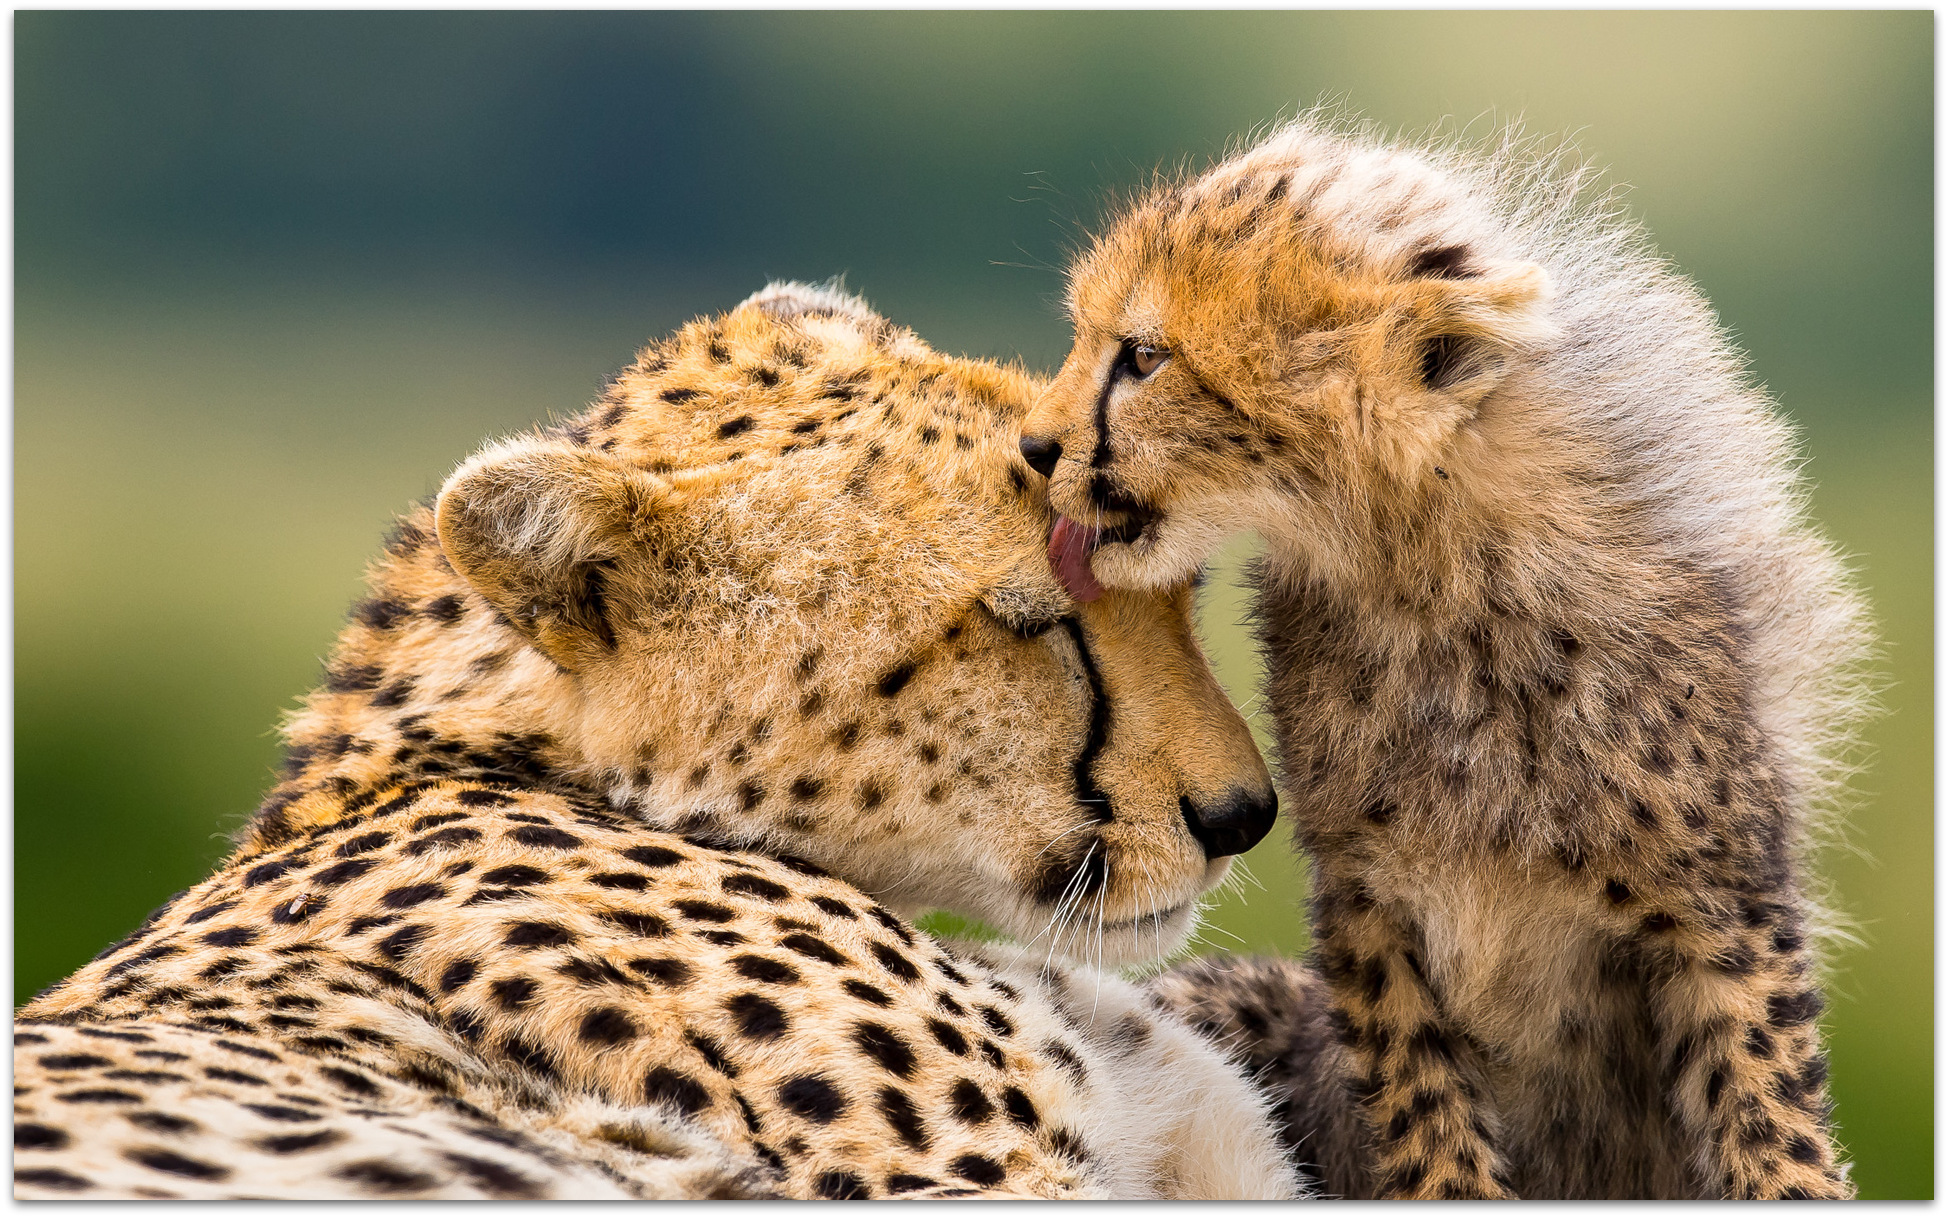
[1469, 316]
[789, 299]
[536, 527]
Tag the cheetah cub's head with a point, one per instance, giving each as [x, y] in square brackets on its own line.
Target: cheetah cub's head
[792, 573]
[1292, 342]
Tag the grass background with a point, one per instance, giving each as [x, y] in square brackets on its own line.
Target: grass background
[277, 273]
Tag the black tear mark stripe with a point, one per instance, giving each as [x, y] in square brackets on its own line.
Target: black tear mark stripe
[1087, 793]
[1100, 455]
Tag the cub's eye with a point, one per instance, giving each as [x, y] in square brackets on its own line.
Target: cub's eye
[1141, 359]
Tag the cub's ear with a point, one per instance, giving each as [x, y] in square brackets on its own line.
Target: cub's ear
[536, 527]
[1469, 317]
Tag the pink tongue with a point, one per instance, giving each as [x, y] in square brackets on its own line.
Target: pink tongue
[1069, 547]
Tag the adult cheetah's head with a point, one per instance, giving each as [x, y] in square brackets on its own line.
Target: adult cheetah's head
[1295, 341]
[791, 571]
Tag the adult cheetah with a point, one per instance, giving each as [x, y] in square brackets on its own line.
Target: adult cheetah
[592, 867]
[1559, 669]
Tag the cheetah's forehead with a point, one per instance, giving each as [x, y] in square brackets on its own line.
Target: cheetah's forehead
[803, 395]
[1307, 195]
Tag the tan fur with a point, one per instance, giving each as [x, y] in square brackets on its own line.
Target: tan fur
[598, 835]
[1561, 674]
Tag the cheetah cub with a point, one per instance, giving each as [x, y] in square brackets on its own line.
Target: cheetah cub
[1560, 671]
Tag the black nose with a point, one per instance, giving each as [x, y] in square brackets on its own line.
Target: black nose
[1041, 455]
[1232, 825]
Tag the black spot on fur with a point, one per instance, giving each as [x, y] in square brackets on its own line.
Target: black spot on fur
[1791, 1010]
[544, 836]
[606, 1026]
[893, 962]
[996, 1021]
[52, 1177]
[379, 1176]
[663, 969]
[758, 1017]
[155, 1122]
[28, 1136]
[900, 1113]
[949, 1036]
[627, 881]
[412, 894]
[838, 909]
[760, 968]
[969, 1103]
[884, 1046]
[736, 427]
[813, 948]
[885, 918]
[867, 993]
[171, 1163]
[532, 1056]
[978, 1169]
[445, 610]
[209, 911]
[1069, 1145]
[1019, 1108]
[755, 886]
[1443, 262]
[813, 1097]
[340, 873]
[713, 1056]
[492, 1178]
[298, 1143]
[362, 844]
[266, 872]
[536, 934]
[282, 1112]
[395, 945]
[352, 679]
[895, 680]
[515, 876]
[642, 925]
[1065, 1057]
[704, 911]
[653, 856]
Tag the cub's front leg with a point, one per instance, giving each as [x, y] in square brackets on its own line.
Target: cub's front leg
[1273, 1017]
[1736, 1011]
[1432, 1124]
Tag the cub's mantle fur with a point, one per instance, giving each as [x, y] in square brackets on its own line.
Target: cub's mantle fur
[1561, 673]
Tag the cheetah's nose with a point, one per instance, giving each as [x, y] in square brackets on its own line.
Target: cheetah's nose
[1233, 825]
[1041, 455]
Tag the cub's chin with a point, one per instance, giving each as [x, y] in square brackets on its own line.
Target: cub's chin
[1182, 536]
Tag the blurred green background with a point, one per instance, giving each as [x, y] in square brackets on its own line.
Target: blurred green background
[277, 273]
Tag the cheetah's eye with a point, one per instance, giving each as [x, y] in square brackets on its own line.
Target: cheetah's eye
[1142, 359]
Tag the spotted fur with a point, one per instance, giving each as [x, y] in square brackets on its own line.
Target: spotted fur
[593, 866]
[1560, 672]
